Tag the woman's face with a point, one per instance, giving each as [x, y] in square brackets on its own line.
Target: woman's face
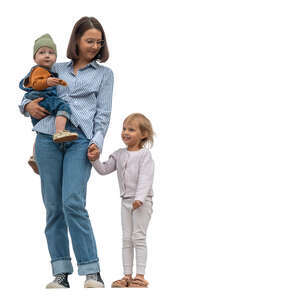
[89, 44]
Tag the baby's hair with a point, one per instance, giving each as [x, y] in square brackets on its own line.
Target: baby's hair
[145, 127]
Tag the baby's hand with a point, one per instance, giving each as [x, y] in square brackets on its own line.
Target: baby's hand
[136, 204]
[62, 82]
[52, 81]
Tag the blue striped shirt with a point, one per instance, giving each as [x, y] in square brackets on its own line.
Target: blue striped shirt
[89, 94]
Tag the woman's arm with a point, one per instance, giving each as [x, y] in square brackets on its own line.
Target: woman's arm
[32, 108]
[22, 106]
[103, 110]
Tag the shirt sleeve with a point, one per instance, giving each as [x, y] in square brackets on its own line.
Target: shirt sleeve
[22, 106]
[103, 110]
[145, 179]
[38, 79]
[106, 167]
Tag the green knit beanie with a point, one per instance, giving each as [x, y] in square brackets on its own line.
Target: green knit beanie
[44, 41]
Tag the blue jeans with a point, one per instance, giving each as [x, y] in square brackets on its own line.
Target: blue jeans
[65, 170]
[55, 105]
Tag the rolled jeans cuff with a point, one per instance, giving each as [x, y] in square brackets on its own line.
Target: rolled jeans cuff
[89, 268]
[62, 266]
[63, 113]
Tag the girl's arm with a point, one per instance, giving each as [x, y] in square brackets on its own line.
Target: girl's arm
[145, 180]
[102, 116]
[106, 167]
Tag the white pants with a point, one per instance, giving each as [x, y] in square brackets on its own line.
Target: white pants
[134, 227]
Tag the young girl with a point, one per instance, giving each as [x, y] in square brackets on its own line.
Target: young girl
[135, 170]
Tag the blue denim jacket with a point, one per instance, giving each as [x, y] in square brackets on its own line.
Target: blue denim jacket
[33, 94]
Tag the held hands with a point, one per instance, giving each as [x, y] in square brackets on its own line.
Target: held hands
[93, 152]
[136, 204]
[52, 81]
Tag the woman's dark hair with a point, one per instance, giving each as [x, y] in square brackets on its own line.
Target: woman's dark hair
[79, 29]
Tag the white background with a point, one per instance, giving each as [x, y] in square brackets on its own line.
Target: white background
[220, 82]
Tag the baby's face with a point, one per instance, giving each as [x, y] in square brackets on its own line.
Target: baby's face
[45, 57]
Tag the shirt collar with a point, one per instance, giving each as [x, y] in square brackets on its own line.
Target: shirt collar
[93, 64]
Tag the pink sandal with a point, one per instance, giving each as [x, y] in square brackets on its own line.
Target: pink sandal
[121, 283]
[138, 283]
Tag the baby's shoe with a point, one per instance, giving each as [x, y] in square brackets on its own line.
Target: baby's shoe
[94, 281]
[60, 282]
[32, 163]
[64, 136]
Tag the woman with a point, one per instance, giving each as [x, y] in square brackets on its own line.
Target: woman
[65, 168]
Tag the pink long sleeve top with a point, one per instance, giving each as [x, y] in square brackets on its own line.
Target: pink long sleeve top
[135, 171]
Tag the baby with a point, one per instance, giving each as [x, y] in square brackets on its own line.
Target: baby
[41, 82]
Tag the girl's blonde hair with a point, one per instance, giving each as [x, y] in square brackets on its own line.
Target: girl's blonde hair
[145, 127]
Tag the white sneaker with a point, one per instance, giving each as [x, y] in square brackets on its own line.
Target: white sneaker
[94, 281]
[60, 282]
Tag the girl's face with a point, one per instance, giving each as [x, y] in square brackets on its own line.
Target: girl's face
[89, 44]
[45, 57]
[132, 135]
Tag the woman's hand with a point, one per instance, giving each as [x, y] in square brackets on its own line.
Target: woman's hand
[35, 110]
[136, 204]
[93, 152]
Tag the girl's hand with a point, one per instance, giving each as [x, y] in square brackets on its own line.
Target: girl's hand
[35, 110]
[93, 152]
[136, 204]
[52, 81]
